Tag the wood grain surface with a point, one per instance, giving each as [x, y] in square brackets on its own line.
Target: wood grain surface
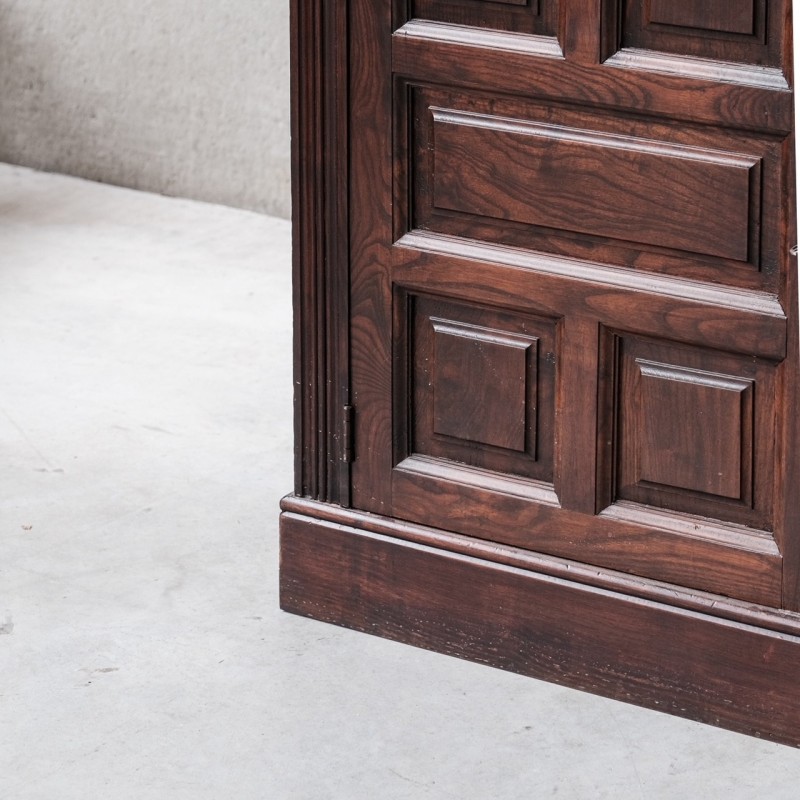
[547, 343]
[641, 651]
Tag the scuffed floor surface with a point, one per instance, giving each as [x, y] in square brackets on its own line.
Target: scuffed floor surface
[145, 431]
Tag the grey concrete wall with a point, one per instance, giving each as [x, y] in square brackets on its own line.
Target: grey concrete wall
[184, 97]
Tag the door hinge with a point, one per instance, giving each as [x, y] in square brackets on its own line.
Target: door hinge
[348, 424]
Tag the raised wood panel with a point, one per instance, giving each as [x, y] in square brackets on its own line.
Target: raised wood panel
[537, 17]
[695, 431]
[654, 192]
[692, 201]
[725, 16]
[480, 386]
[743, 31]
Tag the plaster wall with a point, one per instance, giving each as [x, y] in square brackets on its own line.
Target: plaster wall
[180, 97]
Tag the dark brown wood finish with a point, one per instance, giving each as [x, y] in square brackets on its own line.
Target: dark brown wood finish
[521, 16]
[655, 654]
[550, 176]
[727, 30]
[526, 191]
[464, 371]
[320, 252]
[526, 174]
[545, 301]
[720, 16]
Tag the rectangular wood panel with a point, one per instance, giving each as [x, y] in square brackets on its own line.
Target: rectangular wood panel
[492, 170]
[745, 32]
[730, 16]
[653, 193]
[536, 17]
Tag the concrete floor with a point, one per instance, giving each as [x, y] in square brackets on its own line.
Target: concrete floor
[145, 427]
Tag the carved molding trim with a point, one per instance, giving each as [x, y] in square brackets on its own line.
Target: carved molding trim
[320, 243]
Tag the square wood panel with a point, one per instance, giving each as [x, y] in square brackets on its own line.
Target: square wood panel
[693, 428]
[710, 451]
[482, 385]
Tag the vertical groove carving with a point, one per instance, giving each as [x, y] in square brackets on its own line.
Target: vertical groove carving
[320, 257]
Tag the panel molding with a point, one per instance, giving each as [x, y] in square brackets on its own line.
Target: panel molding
[532, 4]
[474, 385]
[440, 469]
[547, 170]
[686, 311]
[734, 31]
[462, 411]
[428, 31]
[730, 473]
[631, 58]
[693, 430]
[730, 560]
[427, 53]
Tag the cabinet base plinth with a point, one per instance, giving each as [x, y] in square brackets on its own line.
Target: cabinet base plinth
[712, 669]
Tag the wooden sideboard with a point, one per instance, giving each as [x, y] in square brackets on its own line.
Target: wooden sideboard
[546, 342]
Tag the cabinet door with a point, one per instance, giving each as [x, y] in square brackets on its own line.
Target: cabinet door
[573, 320]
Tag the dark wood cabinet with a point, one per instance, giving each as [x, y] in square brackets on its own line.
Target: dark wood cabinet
[546, 342]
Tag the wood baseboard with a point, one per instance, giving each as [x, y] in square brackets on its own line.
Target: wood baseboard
[723, 663]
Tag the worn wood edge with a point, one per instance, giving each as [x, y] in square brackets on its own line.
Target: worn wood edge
[540, 492]
[746, 301]
[709, 669]
[421, 58]
[716, 606]
[771, 78]
[533, 45]
[695, 526]
[692, 563]
[446, 264]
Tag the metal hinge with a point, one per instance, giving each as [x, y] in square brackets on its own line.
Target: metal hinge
[348, 425]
